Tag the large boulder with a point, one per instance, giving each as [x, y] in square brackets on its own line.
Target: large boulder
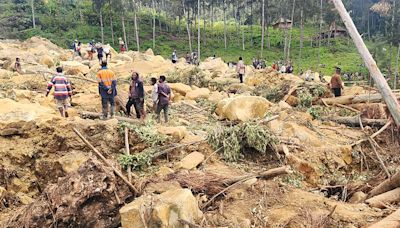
[180, 88]
[177, 133]
[166, 210]
[72, 161]
[243, 108]
[74, 68]
[47, 61]
[198, 93]
[191, 161]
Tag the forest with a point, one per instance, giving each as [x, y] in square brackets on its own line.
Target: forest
[226, 28]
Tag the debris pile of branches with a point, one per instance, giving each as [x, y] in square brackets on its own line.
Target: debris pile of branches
[236, 140]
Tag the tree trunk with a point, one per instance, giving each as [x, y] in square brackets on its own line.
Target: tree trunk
[154, 24]
[251, 23]
[225, 41]
[262, 27]
[392, 221]
[319, 40]
[136, 31]
[301, 37]
[266, 25]
[396, 74]
[355, 99]
[387, 185]
[124, 31]
[198, 31]
[290, 36]
[204, 24]
[380, 81]
[101, 27]
[369, 30]
[355, 121]
[33, 13]
[112, 30]
[187, 26]
[384, 199]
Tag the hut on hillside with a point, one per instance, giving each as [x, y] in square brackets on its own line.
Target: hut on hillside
[282, 23]
[334, 31]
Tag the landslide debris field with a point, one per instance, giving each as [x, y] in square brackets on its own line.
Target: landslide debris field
[276, 151]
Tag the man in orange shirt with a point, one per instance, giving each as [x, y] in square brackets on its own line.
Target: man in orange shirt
[107, 89]
[336, 83]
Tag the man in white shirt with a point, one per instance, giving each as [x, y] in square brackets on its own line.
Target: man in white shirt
[241, 69]
[154, 93]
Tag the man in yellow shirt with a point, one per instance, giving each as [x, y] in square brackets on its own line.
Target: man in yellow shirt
[107, 89]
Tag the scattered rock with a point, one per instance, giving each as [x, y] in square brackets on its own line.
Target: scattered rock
[74, 68]
[72, 161]
[198, 93]
[191, 161]
[165, 210]
[164, 171]
[177, 133]
[358, 197]
[243, 108]
[47, 60]
[180, 88]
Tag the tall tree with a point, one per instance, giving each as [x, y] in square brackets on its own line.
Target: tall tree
[290, 35]
[135, 10]
[187, 24]
[98, 4]
[198, 30]
[262, 27]
[33, 13]
[111, 22]
[154, 23]
[224, 8]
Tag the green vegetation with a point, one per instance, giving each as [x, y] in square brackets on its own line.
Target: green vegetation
[238, 140]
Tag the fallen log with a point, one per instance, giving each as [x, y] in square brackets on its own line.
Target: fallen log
[95, 115]
[121, 99]
[389, 184]
[391, 221]
[384, 199]
[355, 121]
[264, 174]
[355, 99]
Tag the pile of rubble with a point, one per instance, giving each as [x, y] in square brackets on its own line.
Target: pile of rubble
[324, 157]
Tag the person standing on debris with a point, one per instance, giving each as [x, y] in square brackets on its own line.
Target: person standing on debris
[62, 91]
[174, 57]
[107, 51]
[122, 48]
[136, 97]
[17, 65]
[241, 69]
[289, 68]
[164, 98]
[91, 50]
[188, 58]
[154, 93]
[336, 83]
[275, 66]
[100, 53]
[107, 89]
[78, 49]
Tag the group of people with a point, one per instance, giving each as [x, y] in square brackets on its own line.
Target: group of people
[101, 50]
[284, 68]
[259, 63]
[107, 85]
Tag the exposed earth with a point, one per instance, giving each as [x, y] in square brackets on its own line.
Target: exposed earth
[206, 167]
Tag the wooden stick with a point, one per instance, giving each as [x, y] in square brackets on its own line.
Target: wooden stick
[370, 63]
[128, 153]
[119, 118]
[373, 135]
[347, 107]
[289, 93]
[379, 158]
[106, 161]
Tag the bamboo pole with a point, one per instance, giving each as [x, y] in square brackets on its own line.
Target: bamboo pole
[106, 161]
[376, 74]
